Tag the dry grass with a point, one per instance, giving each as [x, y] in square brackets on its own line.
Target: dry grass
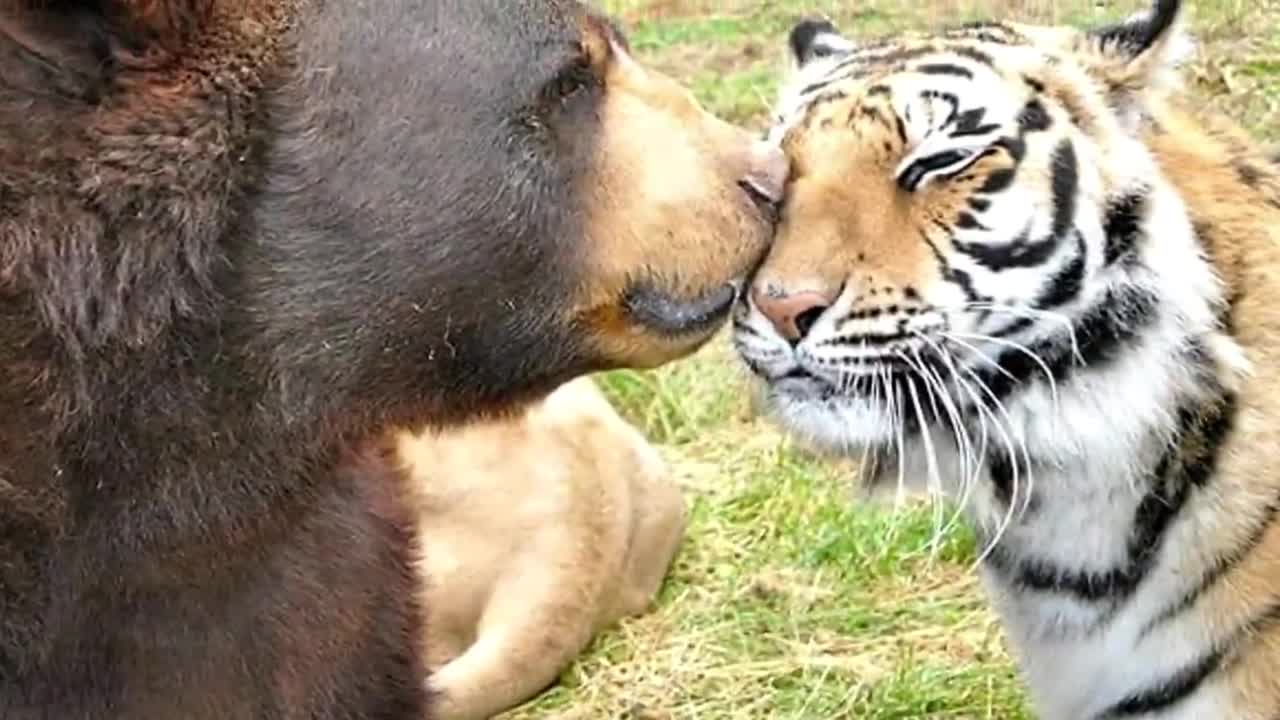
[729, 50]
[791, 598]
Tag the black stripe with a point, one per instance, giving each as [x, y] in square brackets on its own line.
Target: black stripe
[1103, 332]
[868, 112]
[977, 25]
[900, 127]
[953, 275]
[944, 68]
[877, 312]
[816, 86]
[916, 172]
[1187, 464]
[966, 221]
[855, 64]
[1220, 567]
[1123, 224]
[949, 98]
[1013, 328]
[1015, 146]
[1182, 684]
[986, 129]
[998, 181]
[745, 329]
[1034, 118]
[969, 123]
[1216, 426]
[1065, 184]
[973, 54]
[978, 204]
[860, 61]
[984, 30]
[1021, 252]
[1040, 576]
[1000, 470]
[1169, 691]
[816, 103]
[1067, 283]
[867, 338]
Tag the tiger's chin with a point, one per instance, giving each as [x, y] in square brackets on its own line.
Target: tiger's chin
[826, 419]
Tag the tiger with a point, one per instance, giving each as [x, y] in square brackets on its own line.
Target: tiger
[1022, 265]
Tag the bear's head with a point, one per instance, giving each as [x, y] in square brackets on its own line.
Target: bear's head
[402, 210]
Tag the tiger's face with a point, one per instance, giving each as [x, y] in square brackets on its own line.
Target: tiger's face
[961, 206]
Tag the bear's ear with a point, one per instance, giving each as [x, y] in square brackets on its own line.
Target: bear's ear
[74, 47]
[86, 32]
[150, 25]
[1140, 54]
[813, 39]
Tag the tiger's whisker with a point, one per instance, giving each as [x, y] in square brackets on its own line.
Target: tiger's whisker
[1013, 458]
[935, 485]
[1048, 373]
[964, 444]
[1035, 313]
[1006, 520]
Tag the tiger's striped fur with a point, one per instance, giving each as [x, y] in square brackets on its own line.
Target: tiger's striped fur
[1017, 261]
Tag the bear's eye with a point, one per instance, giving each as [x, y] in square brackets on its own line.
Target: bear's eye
[572, 79]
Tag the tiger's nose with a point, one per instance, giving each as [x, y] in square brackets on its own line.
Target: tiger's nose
[792, 314]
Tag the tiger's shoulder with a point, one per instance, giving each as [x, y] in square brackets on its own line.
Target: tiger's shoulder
[1230, 183]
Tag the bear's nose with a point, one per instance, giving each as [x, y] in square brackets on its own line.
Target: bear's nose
[792, 314]
[767, 171]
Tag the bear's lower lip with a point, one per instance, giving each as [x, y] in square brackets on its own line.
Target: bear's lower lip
[667, 314]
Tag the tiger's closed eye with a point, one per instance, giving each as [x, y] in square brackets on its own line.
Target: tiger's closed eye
[946, 163]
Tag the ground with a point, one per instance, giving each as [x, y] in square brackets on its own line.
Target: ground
[790, 598]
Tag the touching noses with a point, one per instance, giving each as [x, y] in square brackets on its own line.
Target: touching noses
[767, 171]
[793, 314]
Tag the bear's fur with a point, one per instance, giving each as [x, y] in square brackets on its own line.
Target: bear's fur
[238, 239]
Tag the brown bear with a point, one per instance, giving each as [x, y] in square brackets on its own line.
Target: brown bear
[238, 239]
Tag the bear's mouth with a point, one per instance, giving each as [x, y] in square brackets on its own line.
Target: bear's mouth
[666, 314]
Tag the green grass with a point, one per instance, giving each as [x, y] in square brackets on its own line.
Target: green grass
[792, 597]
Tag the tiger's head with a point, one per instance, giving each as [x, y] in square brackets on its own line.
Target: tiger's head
[971, 213]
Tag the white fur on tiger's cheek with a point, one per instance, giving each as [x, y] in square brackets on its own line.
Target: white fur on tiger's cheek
[838, 426]
[805, 405]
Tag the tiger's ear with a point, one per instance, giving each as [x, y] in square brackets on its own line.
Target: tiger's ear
[814, 39]
[1140, 54]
